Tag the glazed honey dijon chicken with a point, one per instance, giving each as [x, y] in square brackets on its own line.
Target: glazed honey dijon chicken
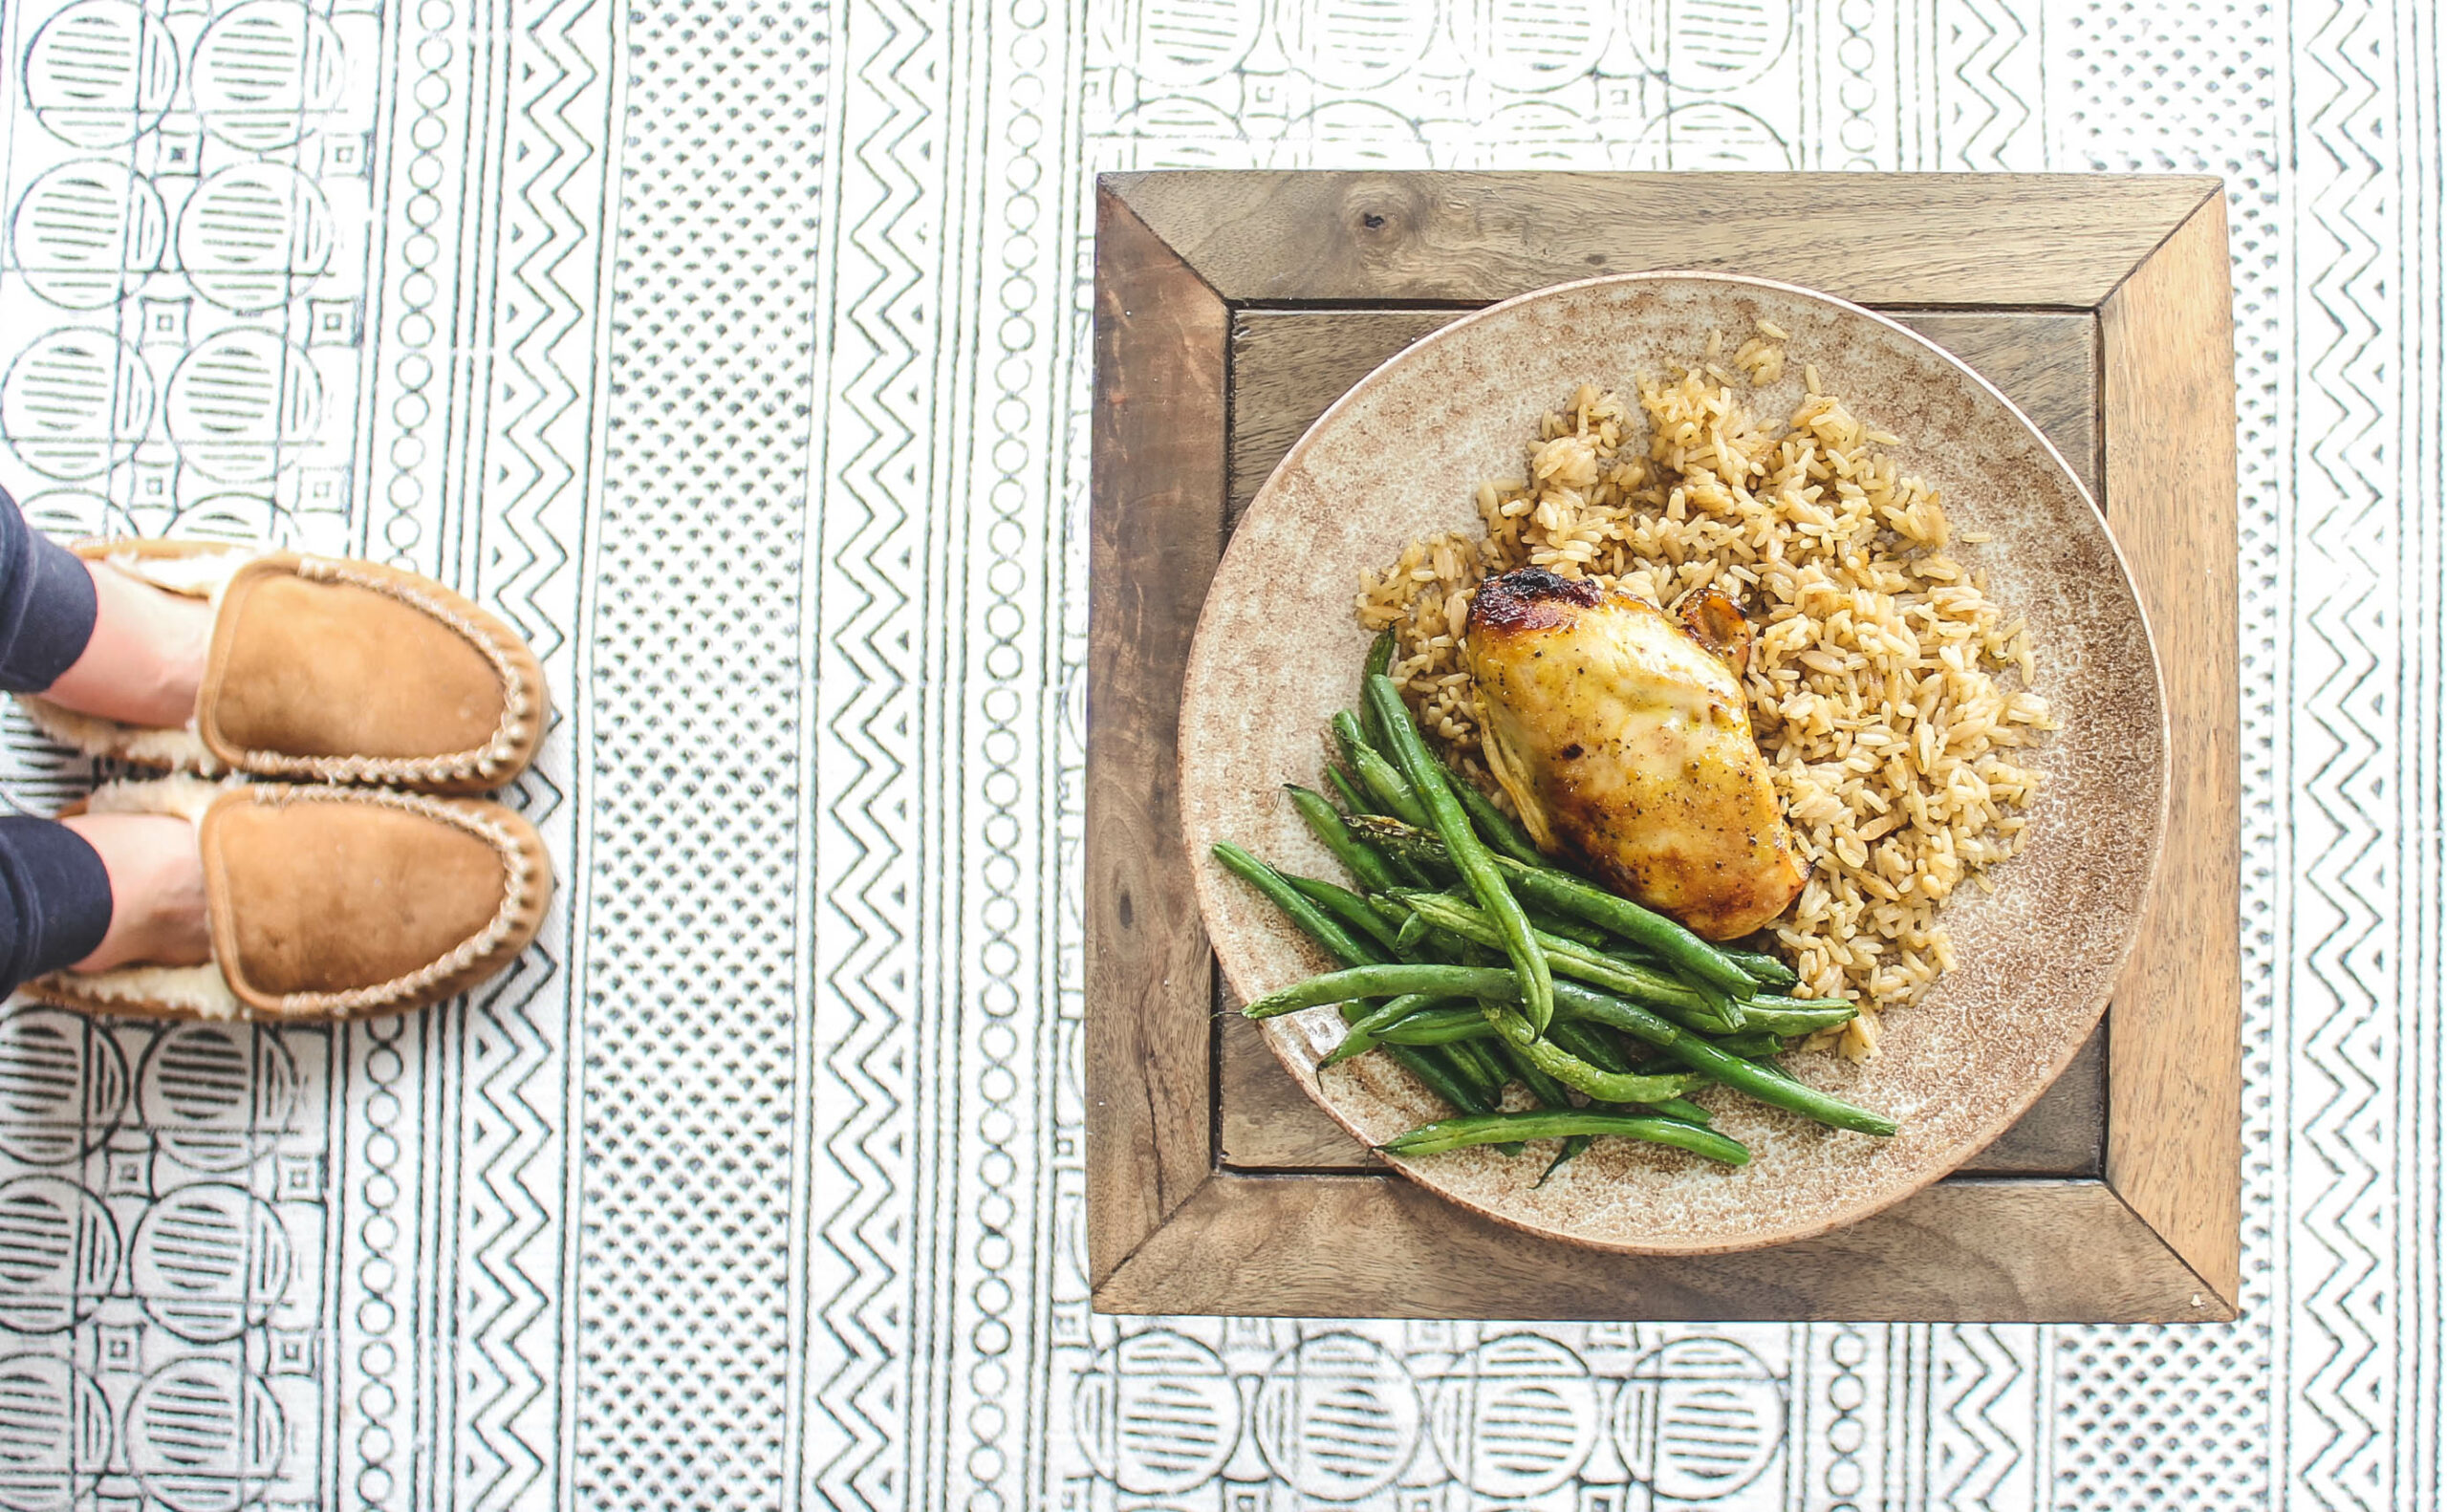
[1622, 736]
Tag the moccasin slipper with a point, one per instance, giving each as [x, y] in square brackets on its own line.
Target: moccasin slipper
[329, 902]
[325, 670]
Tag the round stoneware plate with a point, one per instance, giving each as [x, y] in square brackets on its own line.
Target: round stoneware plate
[1400, 457]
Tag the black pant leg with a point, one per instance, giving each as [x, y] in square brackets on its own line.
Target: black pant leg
[55, 898]
[46, 605]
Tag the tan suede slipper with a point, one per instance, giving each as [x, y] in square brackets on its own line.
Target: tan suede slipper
[327, 670]
[329, 902]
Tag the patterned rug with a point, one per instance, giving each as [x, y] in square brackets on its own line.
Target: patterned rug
[738, 355]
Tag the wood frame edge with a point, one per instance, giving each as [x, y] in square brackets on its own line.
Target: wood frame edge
[1243, 1244]
[2166, 356]
[1159, 460]
[1128, 185]
[1123, 1278]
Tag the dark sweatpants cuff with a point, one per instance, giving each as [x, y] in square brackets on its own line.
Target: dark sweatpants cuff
[46, 611]
[58, 896]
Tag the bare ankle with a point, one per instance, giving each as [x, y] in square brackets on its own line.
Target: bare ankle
[155, 870]
[145, 660]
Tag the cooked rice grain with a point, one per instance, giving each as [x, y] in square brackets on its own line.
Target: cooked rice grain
[1889, 692]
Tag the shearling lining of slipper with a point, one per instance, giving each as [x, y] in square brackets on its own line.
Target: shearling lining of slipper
[201, 990]
[205, 575]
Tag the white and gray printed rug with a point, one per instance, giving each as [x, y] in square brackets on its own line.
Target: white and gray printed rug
[738, 353]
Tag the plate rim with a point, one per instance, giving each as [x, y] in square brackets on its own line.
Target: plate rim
[1303, 1070]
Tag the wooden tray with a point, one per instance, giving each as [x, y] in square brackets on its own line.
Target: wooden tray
[1231, 309]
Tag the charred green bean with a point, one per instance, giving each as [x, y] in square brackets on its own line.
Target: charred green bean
[1495, 826]
[1462, 843]
[1459, 1134]
[1549, 887]
[1385, 981]
[1346, 906]
[1357, 856]
[1313, 922]
[1384, 782]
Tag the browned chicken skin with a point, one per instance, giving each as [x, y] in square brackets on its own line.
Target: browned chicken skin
[1624, 739]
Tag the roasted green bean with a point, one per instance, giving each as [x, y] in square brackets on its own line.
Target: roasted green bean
[1485, 1070]
[1355, 855]
[1336, 939]
[1761, 1080]
[1361, 1035]
[1573, 1149]
[1495, 826]
[1438, 1026]
[1679, 1001]
[1683, 1107]
[1462, 843]
[1578, 1074]
[1589, 1042]
[1542, 1084]
[1571, 929]
[1384, 781]
[1380, 662]
[1459, 1134]
[1380, 655]
[1345, 905]
[1352, 801]
[1432, 1064]
[1545, 885]
[1766, 970]
[1434, 1068]
[1790, 1017]
[1384, 980]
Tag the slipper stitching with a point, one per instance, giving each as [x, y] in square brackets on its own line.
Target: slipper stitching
[183, 749]
[138, 988]
[480, 761]
[517, 893]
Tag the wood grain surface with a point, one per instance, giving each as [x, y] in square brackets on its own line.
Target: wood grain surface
[2175, 1115]
[2023, 1251]
[1288, 365]
[1155, 522]
[1472, 238]
[2045, 361]
[2125, 363]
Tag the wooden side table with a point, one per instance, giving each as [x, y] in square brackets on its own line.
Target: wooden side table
[1232, 308]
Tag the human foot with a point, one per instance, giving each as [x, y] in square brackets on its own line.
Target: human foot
[155, 870]
[145, 660]
[314, 902]
[288, 666]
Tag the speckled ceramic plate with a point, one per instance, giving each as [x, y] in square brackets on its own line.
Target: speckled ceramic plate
[1400, 457]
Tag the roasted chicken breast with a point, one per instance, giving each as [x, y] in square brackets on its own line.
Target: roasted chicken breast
[1624, 739]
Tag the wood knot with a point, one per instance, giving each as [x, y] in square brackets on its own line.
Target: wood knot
[1380, 214]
